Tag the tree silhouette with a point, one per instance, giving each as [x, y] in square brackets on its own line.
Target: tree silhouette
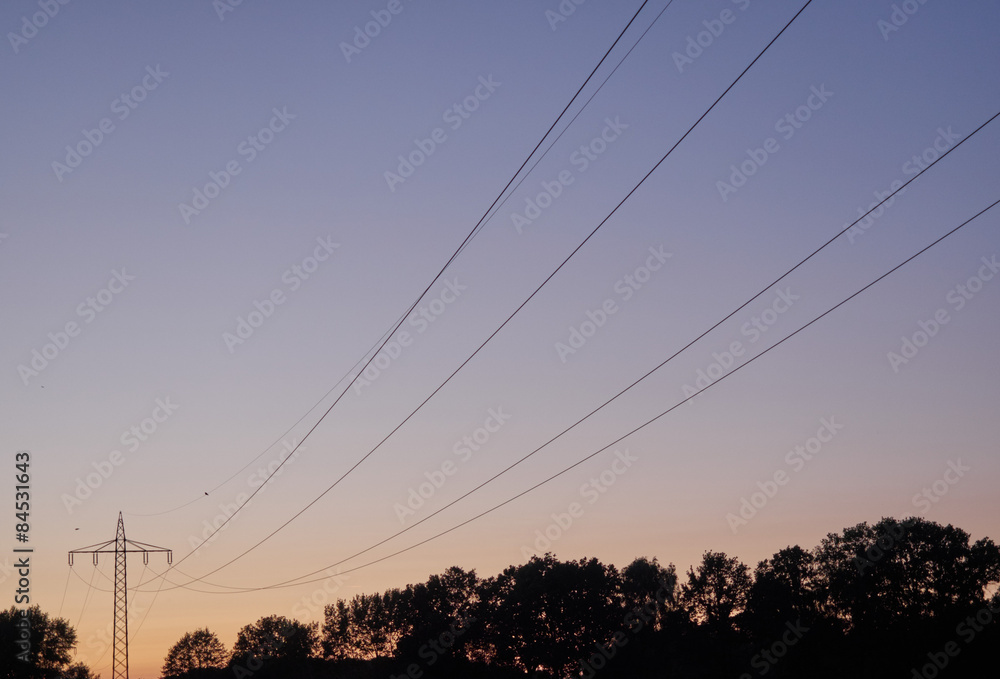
[433, 608]
[785, 587]
[648, 586]
[50, 642]
[366, 627]
[78, 671]
[275, 637]
[896, 573]
[194, 652]
[717, 591]
[871, 601]
[547, 615]
[338, 637]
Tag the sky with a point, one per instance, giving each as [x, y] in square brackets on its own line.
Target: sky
[214, 210]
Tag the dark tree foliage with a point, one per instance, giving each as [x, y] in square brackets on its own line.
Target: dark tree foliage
[785, 587]
[78, 671]
[649, 597]
[908, 586]
[896, 574]
[32, 644]
[366, 627]
[275, 637]
[907, 598]
[716, 593]
[193, 653]
[446, 604]
[547, 614]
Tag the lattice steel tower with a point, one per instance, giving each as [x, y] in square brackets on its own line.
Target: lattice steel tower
[122, 547]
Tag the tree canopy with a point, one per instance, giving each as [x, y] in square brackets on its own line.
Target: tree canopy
[194, 652]
[870, 601]
[37, 646]
[275, 637]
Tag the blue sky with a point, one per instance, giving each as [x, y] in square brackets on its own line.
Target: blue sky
[309, 217]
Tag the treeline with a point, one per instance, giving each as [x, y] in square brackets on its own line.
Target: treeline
[905, 598]
[896, 599]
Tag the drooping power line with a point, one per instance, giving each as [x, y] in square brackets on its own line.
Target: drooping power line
[518, 309]
[406, 314]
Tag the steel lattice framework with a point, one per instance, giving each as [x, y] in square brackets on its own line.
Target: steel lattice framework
[121, 548]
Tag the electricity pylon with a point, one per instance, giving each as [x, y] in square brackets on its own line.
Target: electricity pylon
[121, 548]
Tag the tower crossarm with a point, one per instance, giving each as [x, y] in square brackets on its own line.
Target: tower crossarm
[121, 547]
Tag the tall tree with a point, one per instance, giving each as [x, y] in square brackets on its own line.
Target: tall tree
[895, 573]
[785, 588]
[717, 591]
[194, 652]
[275, 637]
[443, 603]
[648, 587]
[336, 641]
[35, 644]
[366, 627]
[548, 615]
[78, 671]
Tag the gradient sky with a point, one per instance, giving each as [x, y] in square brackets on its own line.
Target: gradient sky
[892, 95]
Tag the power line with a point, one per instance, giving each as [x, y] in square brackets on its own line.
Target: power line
[149, 608]
[422, 294]
[732, 313]
[662, 414]
[636, 382]
[299, 581]
[764, 289]
[577, 115]
[163, 576]
[527, 300]
[276, 441]
[876, 206]
[86, 596]
[63, 600]
[479, 227]
[523, 304]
